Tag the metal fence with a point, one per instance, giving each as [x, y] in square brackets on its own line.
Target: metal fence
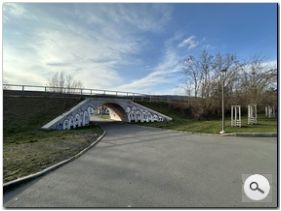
[91, 92]
[69, 90]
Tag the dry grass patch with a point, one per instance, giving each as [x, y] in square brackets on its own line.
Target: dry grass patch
[29, 152]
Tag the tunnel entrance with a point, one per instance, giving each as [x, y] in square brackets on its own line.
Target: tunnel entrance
[109, 112]
[117, 110]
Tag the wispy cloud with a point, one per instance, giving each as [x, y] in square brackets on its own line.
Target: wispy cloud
[189, 42]
[93, 42]
[145, 17]
[133, 47]
[165, 73]
[14, 9]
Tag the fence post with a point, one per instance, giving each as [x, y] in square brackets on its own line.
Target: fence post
[81, 91]
[22, 87]
[45, 89]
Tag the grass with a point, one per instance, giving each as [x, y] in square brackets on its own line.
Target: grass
[27, 153]
[203, 126]
[104, 116]
[21, 114]
[28, 149]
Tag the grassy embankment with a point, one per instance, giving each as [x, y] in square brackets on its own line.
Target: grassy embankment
[181, 123]
[27, 148]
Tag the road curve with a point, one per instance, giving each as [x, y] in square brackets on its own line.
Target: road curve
[136, 166]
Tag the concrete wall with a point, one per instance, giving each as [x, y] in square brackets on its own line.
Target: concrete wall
[120, 109]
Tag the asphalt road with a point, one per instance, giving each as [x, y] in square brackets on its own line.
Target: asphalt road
[135, 166]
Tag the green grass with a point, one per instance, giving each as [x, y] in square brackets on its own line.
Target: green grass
[28, 149]
[203, 126]
[104, 116]
[22, 114]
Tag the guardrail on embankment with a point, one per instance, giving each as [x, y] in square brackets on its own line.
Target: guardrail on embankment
[52, 91]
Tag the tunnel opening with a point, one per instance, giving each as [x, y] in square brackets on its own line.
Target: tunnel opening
[109, 112]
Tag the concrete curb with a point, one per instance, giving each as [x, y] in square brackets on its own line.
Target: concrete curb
[13, 183]
[253, 134]
[180, 131]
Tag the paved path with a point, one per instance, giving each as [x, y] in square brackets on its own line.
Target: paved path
[135, 166]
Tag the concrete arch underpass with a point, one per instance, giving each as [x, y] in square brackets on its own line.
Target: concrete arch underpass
[119, 109]
[116, 112]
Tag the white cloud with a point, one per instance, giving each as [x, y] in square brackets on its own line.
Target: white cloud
[189, 42]
[146, 17]
[13, 9]
[93, 52]
[270, 64]
[263, 66]
[163, 73]
[61, 52]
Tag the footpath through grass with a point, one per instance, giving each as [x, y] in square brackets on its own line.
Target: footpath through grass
[28, 149]
[207, 126]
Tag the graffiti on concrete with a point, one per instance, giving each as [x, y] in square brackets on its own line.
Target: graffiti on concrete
[120, 109]
[136, 114]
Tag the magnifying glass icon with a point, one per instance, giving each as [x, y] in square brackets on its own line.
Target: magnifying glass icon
[254, 186]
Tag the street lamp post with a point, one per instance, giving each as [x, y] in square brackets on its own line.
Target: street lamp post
[223, 71]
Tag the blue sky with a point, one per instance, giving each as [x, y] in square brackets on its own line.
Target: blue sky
[129, 47]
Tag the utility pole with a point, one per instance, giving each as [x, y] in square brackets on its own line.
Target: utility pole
[223, 71]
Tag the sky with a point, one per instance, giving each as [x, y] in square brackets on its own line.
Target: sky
[129, 47]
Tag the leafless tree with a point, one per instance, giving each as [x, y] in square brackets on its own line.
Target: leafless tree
[257, 79]
[192, 74]
[244, 82]
[64, 83]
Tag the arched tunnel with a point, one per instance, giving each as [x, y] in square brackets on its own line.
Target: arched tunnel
[116, 112]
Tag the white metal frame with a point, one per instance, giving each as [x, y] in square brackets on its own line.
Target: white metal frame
[235, 116]
[252, 114]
